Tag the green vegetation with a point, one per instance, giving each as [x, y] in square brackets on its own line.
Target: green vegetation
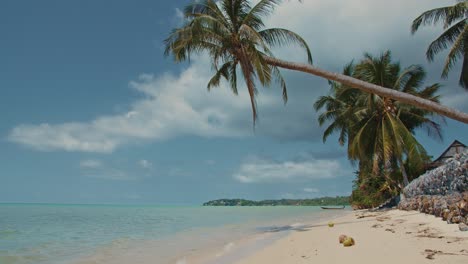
[379, 131]
[339, 200]
[375, 105]
[233, 33]
[454, 19]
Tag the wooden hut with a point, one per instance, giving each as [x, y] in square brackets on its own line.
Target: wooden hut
[455, 148]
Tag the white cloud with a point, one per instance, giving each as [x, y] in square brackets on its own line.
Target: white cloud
[260, 170]
[176, 106]
[90, 164]
[364, 25]
[311, 190]
[145, 164]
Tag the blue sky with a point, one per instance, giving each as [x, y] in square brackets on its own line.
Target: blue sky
[92, 112]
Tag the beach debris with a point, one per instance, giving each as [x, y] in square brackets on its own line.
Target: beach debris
[463, 227]
[431, 253]
[342, 238]
[348, 242]
[429, 232]
[331, 224]
[364, 215]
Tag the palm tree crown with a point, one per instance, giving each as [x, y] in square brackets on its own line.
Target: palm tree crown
[379, 130]
[454, 20]
[233, 33]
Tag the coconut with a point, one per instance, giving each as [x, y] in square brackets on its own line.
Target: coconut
[331, 224]
[349, 241]
[342, 238]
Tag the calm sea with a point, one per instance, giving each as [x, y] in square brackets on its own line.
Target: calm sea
[50, 233]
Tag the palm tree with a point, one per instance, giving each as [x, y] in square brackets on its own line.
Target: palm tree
[382, 130]
[455, 36]
[379, 130]
[233, 33]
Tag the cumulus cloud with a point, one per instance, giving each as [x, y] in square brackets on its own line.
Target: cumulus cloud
[374, 26]
[257, 170]
[179, 105]
[173, 106]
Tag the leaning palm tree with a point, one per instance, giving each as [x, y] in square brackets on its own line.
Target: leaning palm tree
[233, 33]
[455, 37]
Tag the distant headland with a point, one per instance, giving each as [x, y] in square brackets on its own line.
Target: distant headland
[338, 200]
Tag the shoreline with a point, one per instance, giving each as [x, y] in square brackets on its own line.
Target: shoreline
[249, 245]
[391, 236]
[223, 244]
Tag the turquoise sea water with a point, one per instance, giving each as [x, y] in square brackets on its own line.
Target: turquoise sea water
[48, 233]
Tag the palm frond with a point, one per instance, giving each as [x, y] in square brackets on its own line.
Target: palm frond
[280, 37]
[445, 40]
[261, 9]
[207, 7]
[447, 14]
[459, 49]
[221, 72]
[282, 83]
[464, 72]
[410, 78]
[248, 33]
[233, 77]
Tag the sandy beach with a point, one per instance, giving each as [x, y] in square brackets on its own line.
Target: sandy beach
[381, 237]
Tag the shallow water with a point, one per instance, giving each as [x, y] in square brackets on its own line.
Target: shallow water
[48, 233]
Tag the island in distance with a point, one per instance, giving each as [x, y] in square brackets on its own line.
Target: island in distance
[338, 200]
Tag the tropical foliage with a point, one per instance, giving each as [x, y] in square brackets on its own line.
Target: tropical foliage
[338, 200]
[233, 33]
[379, 131]
[455, 37]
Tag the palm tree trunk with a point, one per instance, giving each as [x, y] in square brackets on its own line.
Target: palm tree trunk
[403, 172]
[372, 88]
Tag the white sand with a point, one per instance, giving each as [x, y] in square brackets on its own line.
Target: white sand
[394, 237]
